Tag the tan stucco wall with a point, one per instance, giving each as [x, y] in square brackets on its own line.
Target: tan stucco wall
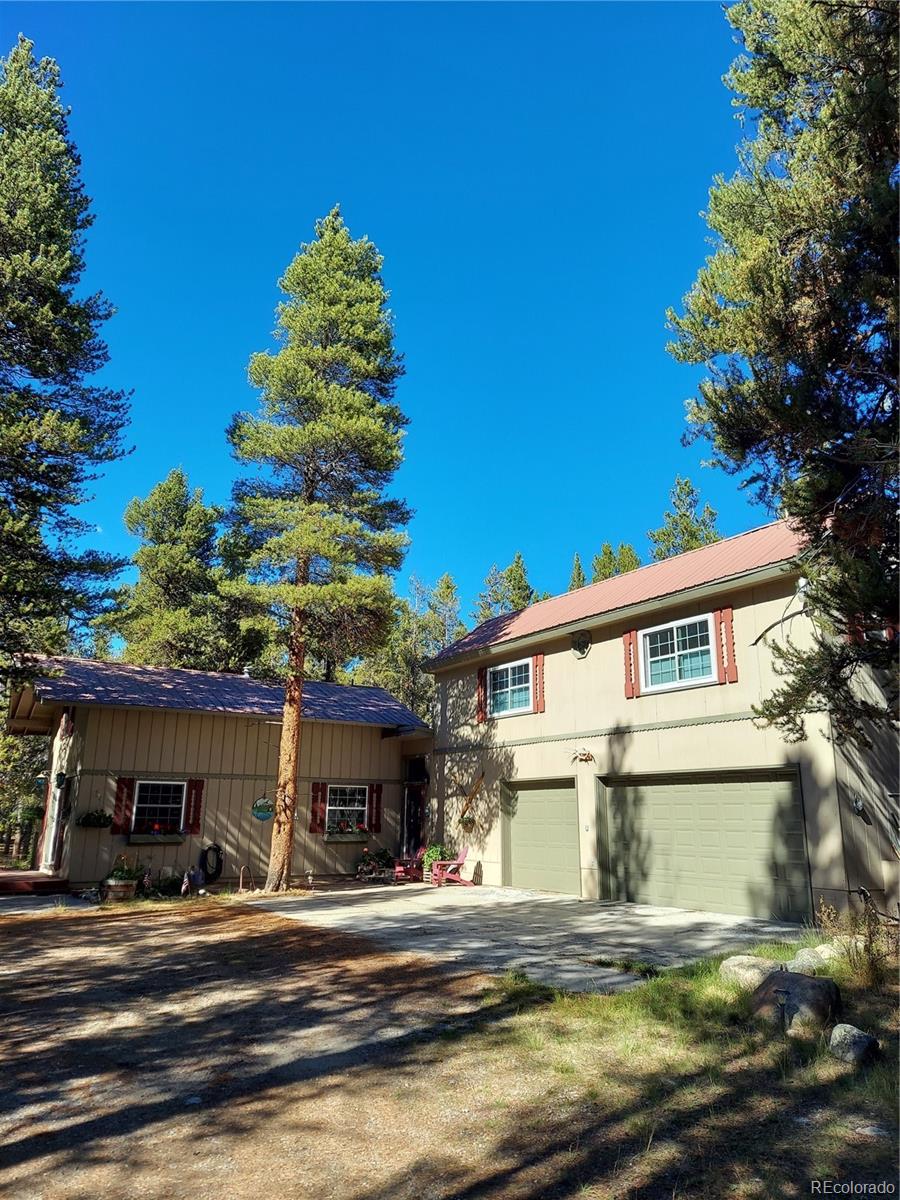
[237, 758]
[696, 729]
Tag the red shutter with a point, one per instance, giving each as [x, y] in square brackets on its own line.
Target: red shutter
[537, 675]
[718, 634]
[730, 664]
[375, 808]
[632, 664]
[482, 695]
[193, 806]
[317, 806]
[124, 807]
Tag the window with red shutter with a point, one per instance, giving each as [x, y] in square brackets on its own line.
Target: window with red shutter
[375, 791]
[317, 806]
[537, 686]
[193, 806]
[124, 806]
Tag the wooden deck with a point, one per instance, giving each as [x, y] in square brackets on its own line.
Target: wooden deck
[31, 883]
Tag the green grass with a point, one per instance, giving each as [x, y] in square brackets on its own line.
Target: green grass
[678, 1062]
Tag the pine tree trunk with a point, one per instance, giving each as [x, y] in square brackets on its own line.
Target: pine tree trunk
[282, 848]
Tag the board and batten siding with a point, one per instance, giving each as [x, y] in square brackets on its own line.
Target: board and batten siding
[237, 758]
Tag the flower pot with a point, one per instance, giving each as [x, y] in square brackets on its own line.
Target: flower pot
[118, 890]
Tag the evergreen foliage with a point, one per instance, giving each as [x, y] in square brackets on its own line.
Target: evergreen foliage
[519, 590]
[686, 526]
[610, 562]
[56, 428]
[794, 317]
[506, 591]
[320, 533]
[179, 612]
[424, 625]
[578, 578]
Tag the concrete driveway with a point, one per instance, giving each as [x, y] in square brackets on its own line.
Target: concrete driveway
[558, 940]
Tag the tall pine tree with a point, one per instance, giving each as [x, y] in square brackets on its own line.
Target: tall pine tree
[795, 319]
[425, 624]
[56, 427]
[494, 599]
[578, 578]
[179, 612]
[322, 532]
[519, 590]
[686, 526]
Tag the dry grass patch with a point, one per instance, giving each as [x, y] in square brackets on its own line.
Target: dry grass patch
[205, 1050]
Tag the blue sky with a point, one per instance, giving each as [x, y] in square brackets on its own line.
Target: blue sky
[533, 175]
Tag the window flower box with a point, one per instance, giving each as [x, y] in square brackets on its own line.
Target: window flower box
[352, 835]
[155, 839]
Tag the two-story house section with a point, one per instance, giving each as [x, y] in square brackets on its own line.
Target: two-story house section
[614, 730]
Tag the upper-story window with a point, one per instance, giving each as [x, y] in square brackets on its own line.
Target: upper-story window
[509, 689]
[680, 654]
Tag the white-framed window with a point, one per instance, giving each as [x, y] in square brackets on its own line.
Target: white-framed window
[346, 808]
[509, 689]
[677, 655]
[158, 806]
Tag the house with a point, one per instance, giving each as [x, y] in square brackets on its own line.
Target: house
[179, 759]
[614, 731]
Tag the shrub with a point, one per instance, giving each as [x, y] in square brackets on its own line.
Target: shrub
[866, 942]
[123, 869]
[436, 852]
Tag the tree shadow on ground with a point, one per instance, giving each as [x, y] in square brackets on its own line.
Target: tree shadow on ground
[116, 1024]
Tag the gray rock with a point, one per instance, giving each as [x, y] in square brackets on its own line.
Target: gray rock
[851, 1045]
[747, 970]
[808, 1004]
[806, 962]
[828, 952]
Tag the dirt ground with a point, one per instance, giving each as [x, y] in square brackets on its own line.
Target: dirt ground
[211, 1051]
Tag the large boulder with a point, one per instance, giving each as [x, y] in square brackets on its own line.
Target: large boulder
[800, 1004]
[806, 962]
[747, 970]
[851, 1045]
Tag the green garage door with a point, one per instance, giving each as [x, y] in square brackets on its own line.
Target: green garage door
[541, 843]
[731, 843]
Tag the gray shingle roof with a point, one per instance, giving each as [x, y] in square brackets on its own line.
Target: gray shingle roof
[85, 681]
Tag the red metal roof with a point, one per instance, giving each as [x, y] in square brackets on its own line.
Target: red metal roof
[734, 556]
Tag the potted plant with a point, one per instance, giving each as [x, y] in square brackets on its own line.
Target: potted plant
[97, 818]
[121, 882]
[436, 852]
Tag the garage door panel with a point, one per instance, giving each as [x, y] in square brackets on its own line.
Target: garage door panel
[732, 844]
[542, 834]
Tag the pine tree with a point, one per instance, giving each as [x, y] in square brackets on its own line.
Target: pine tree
[519, 590]
[494, 599]
[425, 624]
[322, 533]
[578, 578]
[795, 318]
[627, 558]
[56, 427]
[178, 613]
[610, 562]
[687, 526]
[443, 604]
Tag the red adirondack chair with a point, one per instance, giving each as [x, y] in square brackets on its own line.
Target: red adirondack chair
[448, 870]
[409, 870]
